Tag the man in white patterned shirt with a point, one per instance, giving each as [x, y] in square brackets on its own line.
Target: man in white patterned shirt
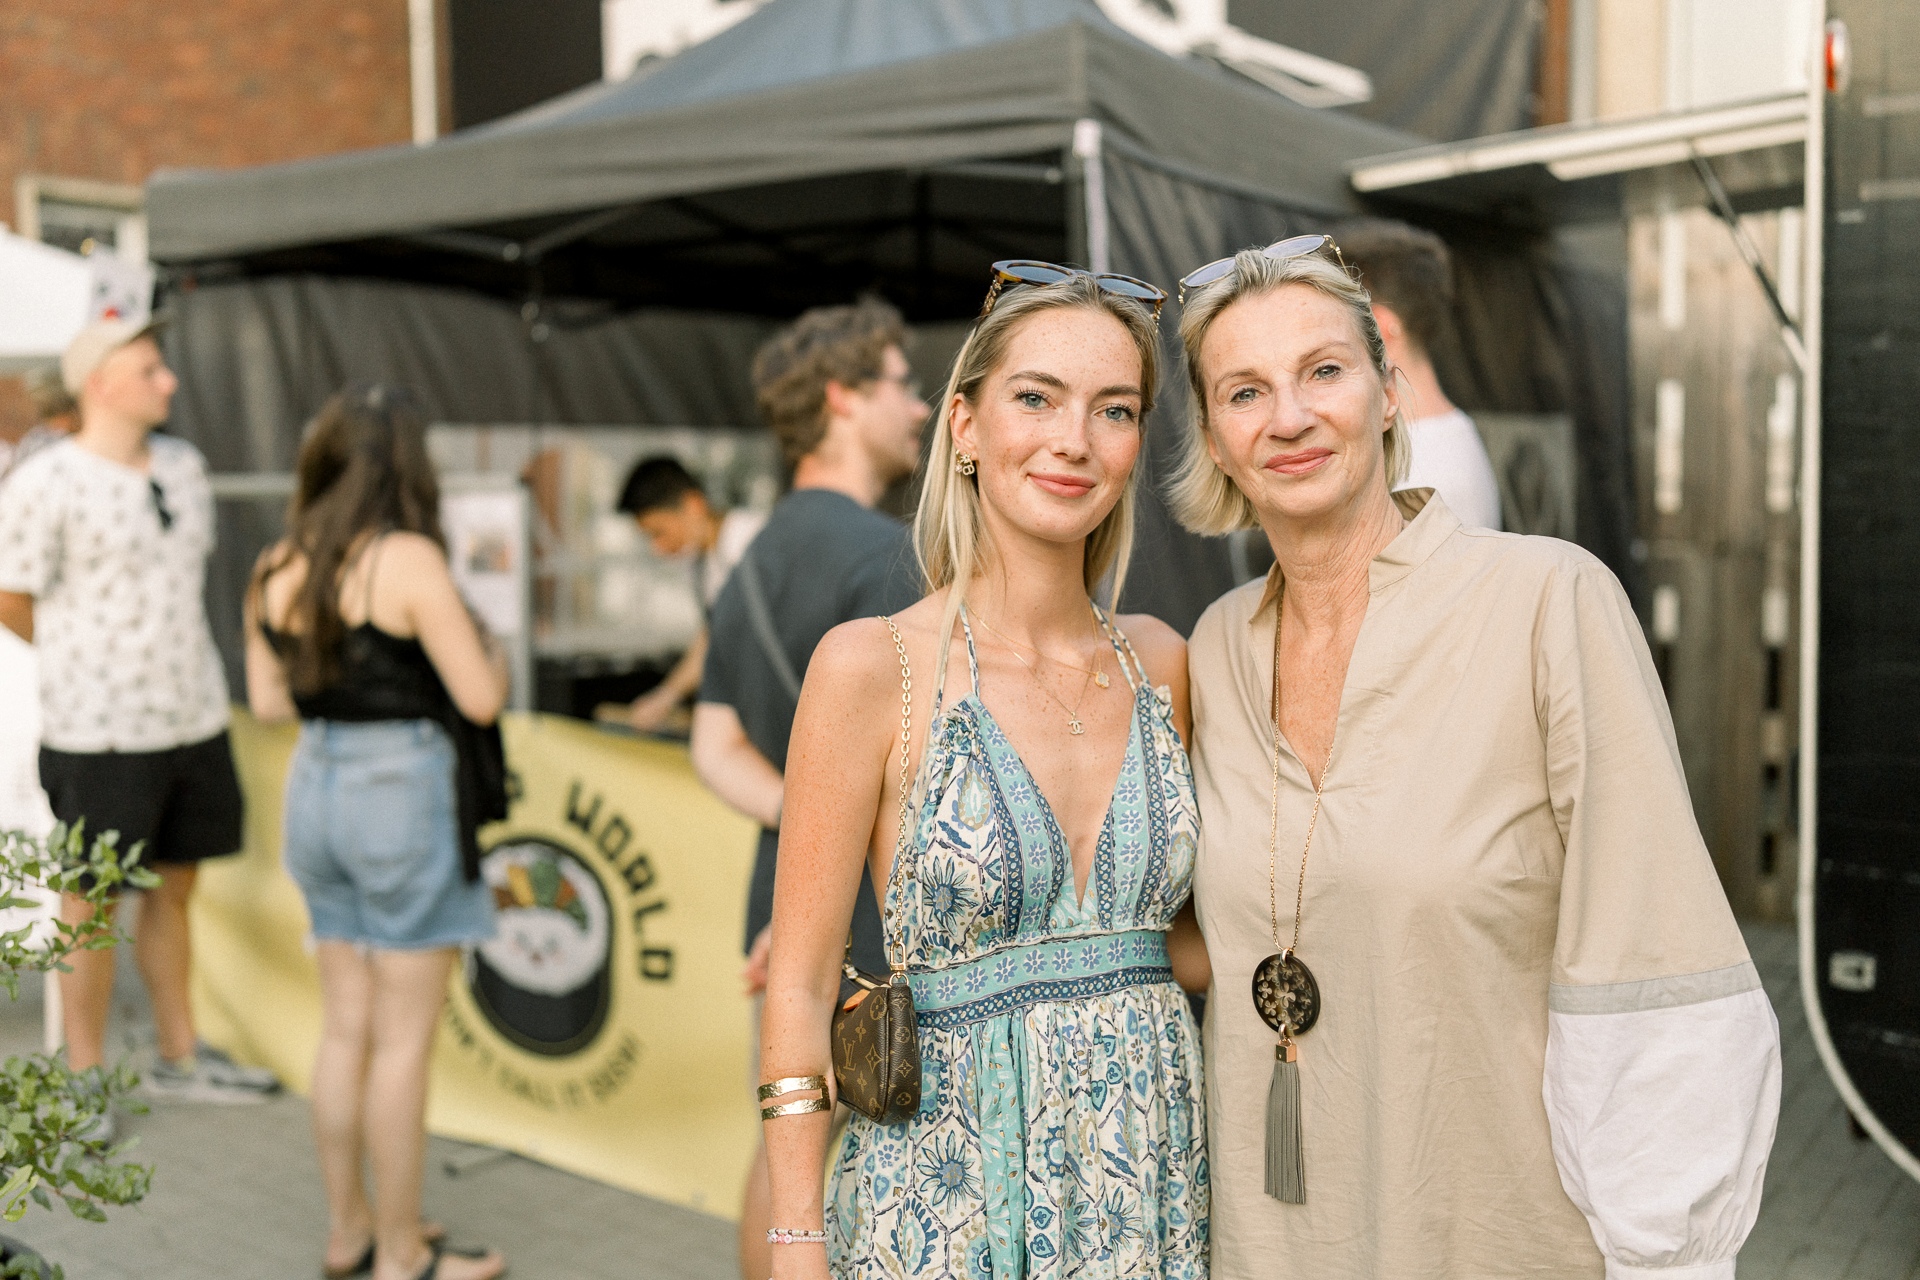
[104, 539]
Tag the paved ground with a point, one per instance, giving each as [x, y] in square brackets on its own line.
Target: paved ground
[237, 1196]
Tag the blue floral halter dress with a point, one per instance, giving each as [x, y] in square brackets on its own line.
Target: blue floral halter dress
[1062, 1127]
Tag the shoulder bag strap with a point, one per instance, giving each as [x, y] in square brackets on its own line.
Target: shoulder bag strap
[762, 620]
[899, 872]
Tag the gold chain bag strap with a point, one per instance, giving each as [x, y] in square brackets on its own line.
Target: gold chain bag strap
[876, 1044]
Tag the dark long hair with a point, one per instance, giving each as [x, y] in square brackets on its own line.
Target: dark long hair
[363, 471]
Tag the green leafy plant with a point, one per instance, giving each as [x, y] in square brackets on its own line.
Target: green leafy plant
[51, 1146]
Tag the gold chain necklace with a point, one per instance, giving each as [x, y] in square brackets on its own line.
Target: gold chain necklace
[1099, 676]
[1074, 726]
[1284, 990]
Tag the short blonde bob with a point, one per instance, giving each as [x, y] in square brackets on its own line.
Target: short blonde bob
[949, 533]
[1201, 496]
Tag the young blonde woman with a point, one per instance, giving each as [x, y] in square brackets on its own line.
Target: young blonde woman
[1041, 905]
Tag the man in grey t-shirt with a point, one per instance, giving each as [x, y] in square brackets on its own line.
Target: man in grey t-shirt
[836, 389]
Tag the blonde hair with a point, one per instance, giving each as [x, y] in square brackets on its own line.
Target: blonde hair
[1202, 497]
[949, 534]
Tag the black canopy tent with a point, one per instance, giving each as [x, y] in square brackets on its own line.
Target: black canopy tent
[614, 255]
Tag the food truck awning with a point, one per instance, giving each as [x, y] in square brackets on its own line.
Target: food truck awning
[1589, 172]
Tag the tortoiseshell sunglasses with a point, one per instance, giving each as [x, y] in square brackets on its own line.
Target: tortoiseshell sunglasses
[1022, 271]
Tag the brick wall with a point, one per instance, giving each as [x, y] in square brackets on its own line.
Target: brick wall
[112, 89]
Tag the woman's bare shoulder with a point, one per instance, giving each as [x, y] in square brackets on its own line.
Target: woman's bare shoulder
[1161, 648]
[854, 660]
[415, 550]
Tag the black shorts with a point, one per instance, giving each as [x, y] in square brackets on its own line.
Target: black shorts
[183, 801]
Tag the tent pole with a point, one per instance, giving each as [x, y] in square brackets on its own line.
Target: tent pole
[1093, 187]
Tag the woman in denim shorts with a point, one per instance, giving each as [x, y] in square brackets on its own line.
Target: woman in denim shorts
[354, 625]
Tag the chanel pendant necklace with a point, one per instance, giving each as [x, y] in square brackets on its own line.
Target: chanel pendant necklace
[1094, 676]
[1284, 990]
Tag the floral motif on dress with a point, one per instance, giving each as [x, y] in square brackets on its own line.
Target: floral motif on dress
[1062, 1129]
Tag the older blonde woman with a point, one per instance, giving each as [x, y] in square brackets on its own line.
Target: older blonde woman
[1060, 1130]
[1479, 1005]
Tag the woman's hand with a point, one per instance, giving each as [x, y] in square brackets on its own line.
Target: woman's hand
[1187, 950]
[801, 1262]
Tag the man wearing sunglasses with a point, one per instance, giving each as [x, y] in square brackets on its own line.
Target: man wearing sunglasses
[104, 539]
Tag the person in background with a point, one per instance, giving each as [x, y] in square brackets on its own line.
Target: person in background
[836, 390]
[1410, 276]
[354, 624]
[56, 416]
[104, 538]
[673, 512]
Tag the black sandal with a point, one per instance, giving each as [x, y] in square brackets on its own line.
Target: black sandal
[433, 1263]
[365, 1264]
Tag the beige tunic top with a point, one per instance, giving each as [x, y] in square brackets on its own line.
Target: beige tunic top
[1527, 966]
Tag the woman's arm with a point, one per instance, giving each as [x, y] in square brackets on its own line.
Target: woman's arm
[267, 693]
[1187, 950]
[836, 767]
[1662, 1075]
[651, 709]
[468, 665]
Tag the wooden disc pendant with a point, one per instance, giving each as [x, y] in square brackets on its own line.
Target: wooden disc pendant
[1281, 984]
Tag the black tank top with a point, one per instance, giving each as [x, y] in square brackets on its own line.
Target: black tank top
[382, 676]
[387, 677]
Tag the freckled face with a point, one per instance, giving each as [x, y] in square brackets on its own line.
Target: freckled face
[1296, 414]
[1055, 429]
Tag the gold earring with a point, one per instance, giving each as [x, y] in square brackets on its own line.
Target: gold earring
[963, 463]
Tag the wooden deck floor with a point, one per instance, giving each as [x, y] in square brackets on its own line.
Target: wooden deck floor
[1835, 1208]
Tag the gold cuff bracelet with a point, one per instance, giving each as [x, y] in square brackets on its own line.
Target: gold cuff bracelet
[791, 1084]
[800, 1108]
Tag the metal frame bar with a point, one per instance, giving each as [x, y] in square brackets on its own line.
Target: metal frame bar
[1810, 440]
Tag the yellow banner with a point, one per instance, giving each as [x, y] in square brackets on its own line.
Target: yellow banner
[603, 1029]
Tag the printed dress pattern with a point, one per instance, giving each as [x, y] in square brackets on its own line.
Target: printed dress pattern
[1062, 1129]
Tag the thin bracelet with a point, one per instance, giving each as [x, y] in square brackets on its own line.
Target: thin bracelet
[806, 1106]
[783, 1235]
[791, 1084]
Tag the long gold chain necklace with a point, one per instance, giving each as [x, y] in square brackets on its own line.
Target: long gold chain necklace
[1074, 725]
[1284, 990]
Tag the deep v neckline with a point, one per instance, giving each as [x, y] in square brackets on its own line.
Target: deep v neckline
[1102, 842]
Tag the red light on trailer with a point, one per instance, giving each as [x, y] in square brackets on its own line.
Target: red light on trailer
[1839, 57]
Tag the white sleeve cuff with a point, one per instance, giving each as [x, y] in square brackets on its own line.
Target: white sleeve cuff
[1662, 1098]
[1705, 1271]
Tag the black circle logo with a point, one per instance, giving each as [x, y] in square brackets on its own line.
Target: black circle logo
[544, 980]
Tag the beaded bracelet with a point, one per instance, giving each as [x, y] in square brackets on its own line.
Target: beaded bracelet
[781, 1235]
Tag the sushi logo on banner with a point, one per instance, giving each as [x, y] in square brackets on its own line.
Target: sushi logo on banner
[545, 981]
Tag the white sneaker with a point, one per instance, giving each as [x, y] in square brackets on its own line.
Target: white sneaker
[201, 1079]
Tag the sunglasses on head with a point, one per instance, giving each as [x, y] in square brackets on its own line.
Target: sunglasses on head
[159, 497]
[1281, 250]
[1021, 271]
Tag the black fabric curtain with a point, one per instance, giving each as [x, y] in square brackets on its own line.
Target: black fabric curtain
[1540, 326]
[1463, 69]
